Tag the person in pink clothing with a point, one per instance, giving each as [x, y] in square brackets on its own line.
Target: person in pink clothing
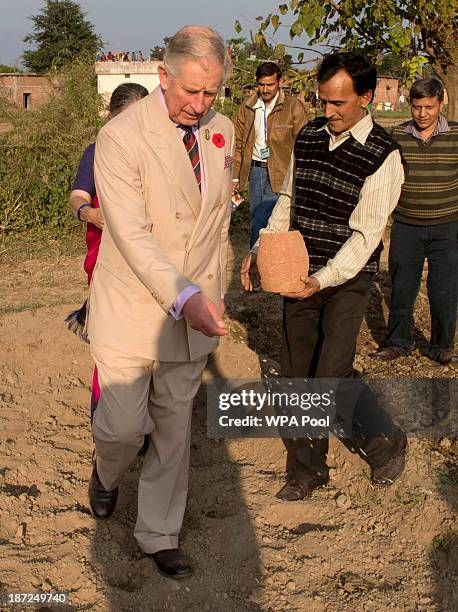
[85, 207]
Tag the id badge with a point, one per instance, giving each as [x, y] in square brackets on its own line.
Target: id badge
[265, 153]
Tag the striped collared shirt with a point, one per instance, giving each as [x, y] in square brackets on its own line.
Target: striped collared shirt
[377, 200]
[360, 132]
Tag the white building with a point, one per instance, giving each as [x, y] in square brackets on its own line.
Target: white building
[112, 74]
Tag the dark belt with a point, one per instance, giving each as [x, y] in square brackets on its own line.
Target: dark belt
[254, 162]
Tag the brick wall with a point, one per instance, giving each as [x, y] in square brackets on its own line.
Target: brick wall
[387, 91]
[26, 90]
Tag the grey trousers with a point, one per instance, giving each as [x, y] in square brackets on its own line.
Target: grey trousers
[144, 397]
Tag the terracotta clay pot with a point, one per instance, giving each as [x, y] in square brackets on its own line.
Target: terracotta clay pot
[282, 260]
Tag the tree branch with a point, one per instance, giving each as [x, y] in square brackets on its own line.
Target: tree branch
[303, 49]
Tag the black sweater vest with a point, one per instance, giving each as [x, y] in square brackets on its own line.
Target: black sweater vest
[328, 185]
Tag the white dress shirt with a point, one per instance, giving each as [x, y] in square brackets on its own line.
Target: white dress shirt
[260, 123]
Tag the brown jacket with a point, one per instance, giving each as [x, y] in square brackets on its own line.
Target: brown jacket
[283, 125]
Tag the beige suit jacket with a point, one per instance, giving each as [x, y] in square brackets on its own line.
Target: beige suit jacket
[160, 234]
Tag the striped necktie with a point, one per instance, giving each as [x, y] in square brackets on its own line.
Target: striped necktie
[190, 142]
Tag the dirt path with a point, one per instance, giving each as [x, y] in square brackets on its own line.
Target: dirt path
[349, 547]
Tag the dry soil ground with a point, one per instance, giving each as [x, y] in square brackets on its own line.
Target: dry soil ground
[350, 547]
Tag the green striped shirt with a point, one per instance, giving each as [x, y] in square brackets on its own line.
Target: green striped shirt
[429, 195]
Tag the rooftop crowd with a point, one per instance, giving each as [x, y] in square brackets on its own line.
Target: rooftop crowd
[128, 56]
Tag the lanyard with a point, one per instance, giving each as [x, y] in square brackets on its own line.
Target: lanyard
[265, 124]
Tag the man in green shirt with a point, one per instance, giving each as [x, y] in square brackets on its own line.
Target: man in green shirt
[425, 227]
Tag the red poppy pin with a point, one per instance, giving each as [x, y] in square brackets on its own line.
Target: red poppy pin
[218, 140]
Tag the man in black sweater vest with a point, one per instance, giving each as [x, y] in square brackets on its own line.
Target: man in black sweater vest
[344, 179]
[425, 227]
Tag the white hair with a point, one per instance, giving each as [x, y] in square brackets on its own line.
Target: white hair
[196, 43]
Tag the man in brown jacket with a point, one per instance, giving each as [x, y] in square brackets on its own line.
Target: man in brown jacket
[266, 127]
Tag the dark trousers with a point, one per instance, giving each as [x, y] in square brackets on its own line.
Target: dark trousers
[410, 246]
[319, 341]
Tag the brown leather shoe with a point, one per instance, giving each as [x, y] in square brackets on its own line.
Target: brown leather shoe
[445, 357]
[388, 353]
[101, 501]
[388, 473]
[172, 563]
[294, 490]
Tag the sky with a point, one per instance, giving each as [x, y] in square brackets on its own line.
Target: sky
[131, 25]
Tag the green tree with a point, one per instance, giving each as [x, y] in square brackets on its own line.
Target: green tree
[416, 30]
[60, 32]
[41, 152]
[246, 56]
[391, 65]
[4, 68]
[157, 52]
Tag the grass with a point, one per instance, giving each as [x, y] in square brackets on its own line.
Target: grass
[412, 499]
[23, 306]
[392, 114]
[41, 269]
[41, 244]
[442, 541]
[446, 474]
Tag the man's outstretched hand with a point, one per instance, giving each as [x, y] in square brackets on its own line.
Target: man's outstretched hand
[249, 273]
[202, 315]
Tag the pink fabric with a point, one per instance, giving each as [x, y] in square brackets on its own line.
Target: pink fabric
[93, 238]
[95, 386]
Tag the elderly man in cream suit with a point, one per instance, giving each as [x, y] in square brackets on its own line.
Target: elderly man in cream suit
[164, 180]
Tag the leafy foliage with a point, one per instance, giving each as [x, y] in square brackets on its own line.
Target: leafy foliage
[39, 156]
[245, 58]
[411, 29]
[157, 52]
[61, 32]
[4, 68]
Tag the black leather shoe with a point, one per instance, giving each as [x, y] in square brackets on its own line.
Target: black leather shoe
[388, 473]
[294, 490]
[172, 563]
[101, 501]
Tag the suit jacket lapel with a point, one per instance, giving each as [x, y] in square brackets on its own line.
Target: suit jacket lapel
[213, 163]
[167, 142]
